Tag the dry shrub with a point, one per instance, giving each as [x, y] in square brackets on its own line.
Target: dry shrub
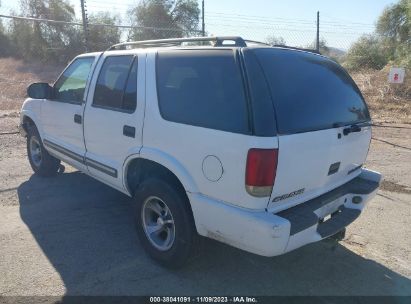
[387, 102]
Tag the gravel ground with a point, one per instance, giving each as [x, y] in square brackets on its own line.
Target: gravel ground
[71, 235]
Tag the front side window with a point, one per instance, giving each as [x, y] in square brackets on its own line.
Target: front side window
[72, 83]
[202, 88]
[116, 86]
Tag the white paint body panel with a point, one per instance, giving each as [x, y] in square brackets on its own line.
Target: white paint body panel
[262, 232]
[222, 208]
[59, 127]
[304, 161]
[57, 122]
[32, 108]
[103, 128]
[190, 145]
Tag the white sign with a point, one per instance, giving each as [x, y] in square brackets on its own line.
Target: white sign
[396, 75]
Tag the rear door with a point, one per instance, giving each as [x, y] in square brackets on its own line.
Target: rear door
[322, 121]
[114, 116]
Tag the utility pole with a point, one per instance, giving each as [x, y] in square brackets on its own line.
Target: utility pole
[85, 31]
[318, 32]
[203, 23]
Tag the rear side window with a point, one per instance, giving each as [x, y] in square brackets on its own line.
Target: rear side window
[310, 92]
[116, 86]
[202, 88]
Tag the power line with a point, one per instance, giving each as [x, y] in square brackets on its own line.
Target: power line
[347, 21]
[113, 3]
[274, 22]
[267, 20]
[259, 24]
[286, 19]
[264, 27]
[40, 20]
[259, 17]
[96, 24]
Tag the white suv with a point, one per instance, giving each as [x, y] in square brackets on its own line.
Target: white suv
[255, 146]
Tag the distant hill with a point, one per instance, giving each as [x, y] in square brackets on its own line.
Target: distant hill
[336, 52]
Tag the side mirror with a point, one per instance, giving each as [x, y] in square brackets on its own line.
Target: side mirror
[40, 90]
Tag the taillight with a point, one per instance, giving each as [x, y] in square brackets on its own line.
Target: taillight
[260, 171]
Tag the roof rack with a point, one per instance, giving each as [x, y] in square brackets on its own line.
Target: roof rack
[218, 42]
[296, 48]
[229, 41]
[257, 42]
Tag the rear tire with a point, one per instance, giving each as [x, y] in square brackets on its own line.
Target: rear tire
[164, 222]
[40, 160]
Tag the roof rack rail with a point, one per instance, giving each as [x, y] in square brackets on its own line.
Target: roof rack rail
[257, 42]
[296, 48]
[218, 42]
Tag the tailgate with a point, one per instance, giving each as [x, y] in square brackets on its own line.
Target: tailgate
[310, 164]
[323, 124]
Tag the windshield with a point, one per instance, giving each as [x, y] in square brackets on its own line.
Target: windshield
[310, 92]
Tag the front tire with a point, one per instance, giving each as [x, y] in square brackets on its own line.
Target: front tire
[40, 160]
[164, 221]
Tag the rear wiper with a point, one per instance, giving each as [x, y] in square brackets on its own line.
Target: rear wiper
[351, 129]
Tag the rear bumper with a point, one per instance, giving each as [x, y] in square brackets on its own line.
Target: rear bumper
[269, 234]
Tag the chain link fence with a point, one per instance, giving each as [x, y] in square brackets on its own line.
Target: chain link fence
[63, 39]
[354, 45]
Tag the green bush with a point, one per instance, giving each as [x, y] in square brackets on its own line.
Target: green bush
[5, 45]
[367, 53]
[390, 44]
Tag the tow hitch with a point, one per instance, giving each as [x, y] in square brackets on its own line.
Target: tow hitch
[339, 236]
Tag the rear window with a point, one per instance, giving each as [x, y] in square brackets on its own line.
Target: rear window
[310, 92]
[202, 88]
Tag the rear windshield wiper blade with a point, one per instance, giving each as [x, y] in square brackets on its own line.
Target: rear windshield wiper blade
[351, 129]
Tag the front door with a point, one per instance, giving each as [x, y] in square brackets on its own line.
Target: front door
[62, 116]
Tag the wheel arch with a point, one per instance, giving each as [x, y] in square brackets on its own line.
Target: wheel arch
[28, 118]
[152, 162]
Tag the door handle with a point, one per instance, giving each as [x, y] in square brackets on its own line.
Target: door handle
[129, 131]
[77, 118]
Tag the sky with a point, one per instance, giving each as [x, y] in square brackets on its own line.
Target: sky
[341, 22]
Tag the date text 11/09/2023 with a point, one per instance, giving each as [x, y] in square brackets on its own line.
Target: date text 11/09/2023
[206, 299]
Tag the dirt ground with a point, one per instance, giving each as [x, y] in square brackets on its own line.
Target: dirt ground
[71, 235]
[387, 102]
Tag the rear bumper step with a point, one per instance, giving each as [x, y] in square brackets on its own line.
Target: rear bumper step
[338, 221]
[269, 234]
[303, 216]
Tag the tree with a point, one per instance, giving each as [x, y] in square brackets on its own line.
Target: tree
[394, 28]
[391, 42]
[164, 19]
[324, 49]
[101, 37]
[367, 52]
[395, 22]
[5, 47]
[41, 40]
[275, 40]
